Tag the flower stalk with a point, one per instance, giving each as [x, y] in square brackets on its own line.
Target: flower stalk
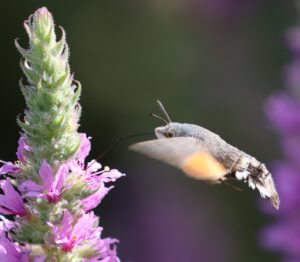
[50, 190]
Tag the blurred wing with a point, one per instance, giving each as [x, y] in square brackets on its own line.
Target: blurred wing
[185, 153]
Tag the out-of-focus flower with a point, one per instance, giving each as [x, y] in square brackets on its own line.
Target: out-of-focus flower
[222, 8]
[283, 110]
[210, 9]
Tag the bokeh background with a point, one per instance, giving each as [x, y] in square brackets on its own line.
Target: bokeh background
[212, 63]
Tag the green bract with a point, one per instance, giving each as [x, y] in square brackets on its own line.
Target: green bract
[51, 121]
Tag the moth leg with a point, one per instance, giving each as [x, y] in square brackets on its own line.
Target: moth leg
[228, 176]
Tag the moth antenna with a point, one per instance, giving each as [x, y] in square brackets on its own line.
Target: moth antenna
[160, 118]
[231, 186]
[162, 108]
[111, 146]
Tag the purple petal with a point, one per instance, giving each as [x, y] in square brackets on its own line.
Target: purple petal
[6, 225]
[35, 194]
[8, 251]
[46, 173]
[11, 201]
[111, 176]
[95, 199]
[60, 177]
[55, 190]
[6, 210]
[85, 227]
[40, 259]
[30, 186]
[9, 168]
[23, 147]
[93, 166]
[66, 224]
[74, 166]
[108, 250]
[85, 148]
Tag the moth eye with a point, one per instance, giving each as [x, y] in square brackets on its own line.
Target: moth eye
[169, 134]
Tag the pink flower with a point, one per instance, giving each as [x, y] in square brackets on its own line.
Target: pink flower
[11, 203]
[9, 252]
[52, 186]
[94, 177]
[68, 235]
[82, 235]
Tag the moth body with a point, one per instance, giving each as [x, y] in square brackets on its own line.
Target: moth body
[204, 155]
[231, 157]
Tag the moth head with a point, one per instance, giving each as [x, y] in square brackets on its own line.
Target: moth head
[166, 131]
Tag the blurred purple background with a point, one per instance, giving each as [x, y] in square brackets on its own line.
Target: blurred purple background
[283, 110]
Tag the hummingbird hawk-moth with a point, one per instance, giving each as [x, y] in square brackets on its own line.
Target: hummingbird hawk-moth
[204, 155]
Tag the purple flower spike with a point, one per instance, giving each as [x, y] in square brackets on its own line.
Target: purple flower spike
[57, 186]
[284, 237]
[283, 110]
[11, 203]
